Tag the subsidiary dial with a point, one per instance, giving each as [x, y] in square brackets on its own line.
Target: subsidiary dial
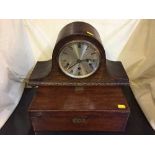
[79, 59]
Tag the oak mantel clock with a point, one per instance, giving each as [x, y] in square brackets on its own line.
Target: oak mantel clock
[79, 90]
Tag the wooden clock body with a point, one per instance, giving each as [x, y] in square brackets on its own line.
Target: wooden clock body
[62, 103]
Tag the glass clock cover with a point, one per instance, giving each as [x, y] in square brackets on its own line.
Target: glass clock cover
[79, 59]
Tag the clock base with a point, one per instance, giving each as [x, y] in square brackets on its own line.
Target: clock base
[79, 109]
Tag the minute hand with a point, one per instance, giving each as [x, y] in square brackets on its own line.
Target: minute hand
[73, 65]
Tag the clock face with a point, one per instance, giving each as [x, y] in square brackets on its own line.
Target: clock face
[79, 59]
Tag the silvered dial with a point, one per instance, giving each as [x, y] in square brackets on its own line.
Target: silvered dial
[79, 59]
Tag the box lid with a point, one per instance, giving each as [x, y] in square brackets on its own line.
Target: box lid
[95, 98]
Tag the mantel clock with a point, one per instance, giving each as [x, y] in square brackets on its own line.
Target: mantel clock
[79, 89]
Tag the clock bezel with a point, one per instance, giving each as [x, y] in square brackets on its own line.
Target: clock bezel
[77, 76]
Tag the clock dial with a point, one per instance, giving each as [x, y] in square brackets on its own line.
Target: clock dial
[79, 59]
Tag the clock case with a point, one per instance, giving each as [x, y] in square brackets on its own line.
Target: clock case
[49, 73]
[62, 103]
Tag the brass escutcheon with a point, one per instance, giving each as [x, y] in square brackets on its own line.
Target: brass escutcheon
[78, 120]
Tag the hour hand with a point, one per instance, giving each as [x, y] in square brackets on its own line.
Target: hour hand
[87, 60]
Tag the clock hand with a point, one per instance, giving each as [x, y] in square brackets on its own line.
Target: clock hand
[86, 60]
[73, 65]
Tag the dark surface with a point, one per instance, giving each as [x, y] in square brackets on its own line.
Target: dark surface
[42, 69]
[19, 122]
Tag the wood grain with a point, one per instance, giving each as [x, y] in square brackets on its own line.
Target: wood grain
[55, 108]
